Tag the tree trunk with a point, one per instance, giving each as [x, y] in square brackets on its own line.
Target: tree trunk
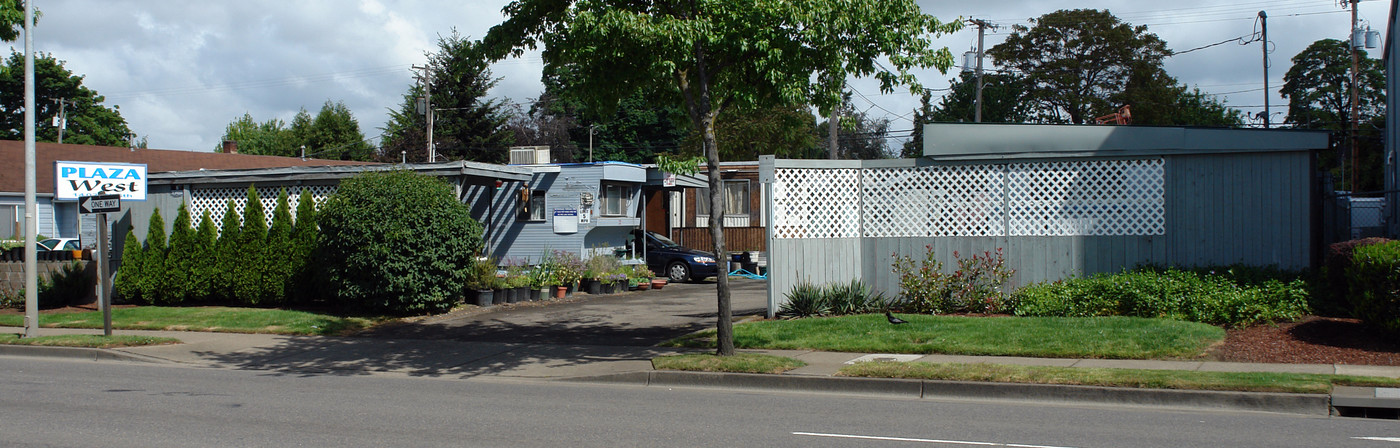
[724, 327]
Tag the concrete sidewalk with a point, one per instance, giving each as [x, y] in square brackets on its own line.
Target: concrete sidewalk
[631, 365]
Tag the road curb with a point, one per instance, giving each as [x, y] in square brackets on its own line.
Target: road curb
[90, 354]
[1306, 404]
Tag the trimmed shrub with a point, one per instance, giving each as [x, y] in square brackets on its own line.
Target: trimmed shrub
[1374, 278]
[1170, 293]
[250, 279]
[68, 285]
[1333, 293]
[397, 242]
[805, 300]
[277, 255]
[127, 284]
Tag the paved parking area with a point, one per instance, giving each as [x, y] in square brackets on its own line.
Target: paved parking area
[637, 318]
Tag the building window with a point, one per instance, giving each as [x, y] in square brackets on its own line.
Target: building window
[736, 198]
[615, 199]
[534, 205]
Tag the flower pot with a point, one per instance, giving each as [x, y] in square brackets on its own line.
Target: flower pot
[539, 293]
[560, 291]
[513, 295]
[593, 286]
[482, 297]
[632, 286]
[570, 289]
[500, 296]
[607, 287]
[658, 283]
[643, 286]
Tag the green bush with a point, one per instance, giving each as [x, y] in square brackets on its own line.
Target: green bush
[202, 268]
[976, 286]
[1374, 279]
[1333, 297]
[183, 254]
[66, 286]
[805, 300]
[397, 242]
[1206, 297]
[278, 253]
[303, 245]
[837, 299]
[251, 280]
[226, 256]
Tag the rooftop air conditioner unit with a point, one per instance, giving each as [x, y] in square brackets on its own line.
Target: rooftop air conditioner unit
[529, 155]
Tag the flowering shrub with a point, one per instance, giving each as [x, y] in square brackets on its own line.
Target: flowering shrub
[975, 287]
[1208, 296]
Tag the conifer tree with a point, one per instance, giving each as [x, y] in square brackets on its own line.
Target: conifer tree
[202, 271]
[127, 283]
[153, 269]
[250, 277]
[181, 258]
[302, 248]
[278, 257]
[226, 254]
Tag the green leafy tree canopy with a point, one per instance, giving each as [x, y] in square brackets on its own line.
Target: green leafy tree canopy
[88, 121]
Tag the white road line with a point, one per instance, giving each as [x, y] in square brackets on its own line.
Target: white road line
[1379, 439]
[906, 439]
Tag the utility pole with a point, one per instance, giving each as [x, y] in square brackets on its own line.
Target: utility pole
[981, 34]
[61, 120]
[1355, 63]
[1264, 37]
[31, 206]
[590, 142]
[428, 107]
[832, 122]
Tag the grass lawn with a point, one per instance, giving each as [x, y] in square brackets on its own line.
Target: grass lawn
[86, 340]
[1157, 379]
[740, 362]
[212, 318]
[1046, 337]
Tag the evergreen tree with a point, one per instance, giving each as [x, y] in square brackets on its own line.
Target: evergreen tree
[153, 269]
[466, 125]
[127, 284]
[181, 258]
[303, 245]
[278, 257]
[226, 256]
[202, 271]
[249, 281]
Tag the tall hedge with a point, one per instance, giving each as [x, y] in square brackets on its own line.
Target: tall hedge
[226, 256]
[277, 257]
[127, 284]
[303, 245]
[184, 252]
[153, 270]
[396, 242]
[202, 270]
[250, 278]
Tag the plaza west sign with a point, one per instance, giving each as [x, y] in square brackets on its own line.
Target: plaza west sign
[77, 179]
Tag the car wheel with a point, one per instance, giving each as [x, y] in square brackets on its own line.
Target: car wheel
[678, 272]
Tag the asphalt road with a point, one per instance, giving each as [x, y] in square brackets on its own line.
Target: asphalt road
[640, 318]
[49, 402]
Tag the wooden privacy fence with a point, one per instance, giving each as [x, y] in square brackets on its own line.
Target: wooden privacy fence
[1188, 201]
[736, 239]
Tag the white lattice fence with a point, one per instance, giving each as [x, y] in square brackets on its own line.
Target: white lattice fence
[214, 200]
[1098, 197]
[816, 203]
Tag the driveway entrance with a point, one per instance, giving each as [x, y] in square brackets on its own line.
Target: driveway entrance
[638, 318]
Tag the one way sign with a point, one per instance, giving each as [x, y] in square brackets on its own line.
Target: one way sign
[100, 204]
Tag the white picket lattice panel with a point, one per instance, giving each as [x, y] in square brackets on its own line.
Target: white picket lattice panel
[214, 200]
[1100, 197]
[932, 201]
[1093, 197]
[816, 203]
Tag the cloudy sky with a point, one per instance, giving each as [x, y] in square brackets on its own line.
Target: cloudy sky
[181, 71]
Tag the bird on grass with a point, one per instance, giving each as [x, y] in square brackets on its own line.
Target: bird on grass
[894, 320]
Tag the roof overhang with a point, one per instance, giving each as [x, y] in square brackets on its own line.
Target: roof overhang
[657, 179]
[955, 141]
[481, 171]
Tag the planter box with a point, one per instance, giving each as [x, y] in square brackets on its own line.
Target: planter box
[539, 294]
[593, 286]
[500, 296]
[480, 297]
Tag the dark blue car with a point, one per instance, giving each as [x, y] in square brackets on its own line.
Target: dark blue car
[675, 262]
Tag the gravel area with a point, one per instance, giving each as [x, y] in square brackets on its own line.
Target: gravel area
[1313, 340]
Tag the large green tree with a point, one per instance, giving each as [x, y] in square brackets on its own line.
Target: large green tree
[1318, 88]
[1158, 99]
[713, 55]
[860, 137]
[466, 124]
[1076, 61]
[332, 134]
[88, 121]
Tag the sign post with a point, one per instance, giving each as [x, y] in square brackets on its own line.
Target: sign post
[100, 205]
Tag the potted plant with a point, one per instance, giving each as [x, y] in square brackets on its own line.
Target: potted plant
[483, 275]
[570, 270]
[658, 282]
[643, 276]
[516, 283]
[601, 267]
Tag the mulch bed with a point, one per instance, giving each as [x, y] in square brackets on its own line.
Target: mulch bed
[1312, 340]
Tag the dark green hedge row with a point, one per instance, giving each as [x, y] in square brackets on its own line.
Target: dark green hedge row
[1221, 297]
[1373, 281]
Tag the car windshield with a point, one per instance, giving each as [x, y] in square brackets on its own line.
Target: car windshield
[663, 241]
[48, 244]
